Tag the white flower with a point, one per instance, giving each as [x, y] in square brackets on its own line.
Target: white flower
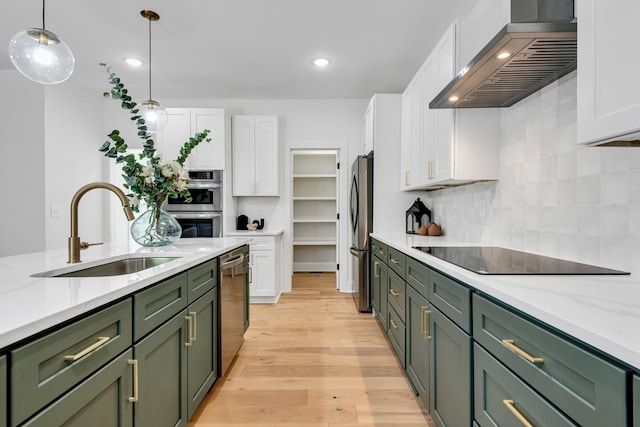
[181, 185]
[134, 201]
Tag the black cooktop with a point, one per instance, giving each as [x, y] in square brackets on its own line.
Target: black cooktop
[496, 260]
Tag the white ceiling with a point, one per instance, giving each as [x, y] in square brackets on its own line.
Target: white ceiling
[243, 48]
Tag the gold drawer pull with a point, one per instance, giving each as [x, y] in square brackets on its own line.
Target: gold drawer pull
[134, 362]
[511, 406]
[101, 341]
[394, 324]
[394, 292]
[189, 342]
[520, 352]
[395, 261]
[376, 273]
[425, 323]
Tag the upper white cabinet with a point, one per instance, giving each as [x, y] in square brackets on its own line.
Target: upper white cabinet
[608, 86]
[445, 147]
[368, 128]
[255, 152]
[183, 123]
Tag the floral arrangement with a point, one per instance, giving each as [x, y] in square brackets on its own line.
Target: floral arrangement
[155, 179]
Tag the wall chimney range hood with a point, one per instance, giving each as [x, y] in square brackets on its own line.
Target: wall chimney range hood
[538, 47]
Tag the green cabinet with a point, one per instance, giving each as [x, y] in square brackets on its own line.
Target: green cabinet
[103, 399]
[381, 287]
[449, 372]
[201, 279]
[396, 293]
[502, 399]
[589, 389]
[397, 334]
[44, 369]
[418, 344]
[3, 391]
[162, 375]
[202, 353]
[636, 400]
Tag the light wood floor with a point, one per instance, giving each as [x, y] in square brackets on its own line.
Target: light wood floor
[312, 360]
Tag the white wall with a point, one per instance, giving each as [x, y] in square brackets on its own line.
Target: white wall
[553, 197]
[22, 225]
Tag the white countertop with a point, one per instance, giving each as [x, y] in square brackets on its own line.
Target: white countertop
[29, 305]
[601, 311]
[247, 233]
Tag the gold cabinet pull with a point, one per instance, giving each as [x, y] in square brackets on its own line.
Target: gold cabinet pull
[425, 323]
[189, 342]
[134, 362]
[430, 168]
[376, 273]
[250, 274]
[394, 292]
[511, 406]
[394, 324]
[195, 326]
[101, 341]
[395, 261]
[520, 352]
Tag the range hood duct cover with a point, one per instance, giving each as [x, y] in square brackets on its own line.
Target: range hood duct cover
[541, 52]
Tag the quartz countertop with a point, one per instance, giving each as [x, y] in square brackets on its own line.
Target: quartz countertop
[602, 311]
[29, 305]
[247, 233]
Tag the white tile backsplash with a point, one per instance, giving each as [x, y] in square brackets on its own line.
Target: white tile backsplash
[553, 197]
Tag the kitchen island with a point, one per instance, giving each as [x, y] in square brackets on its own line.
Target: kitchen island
[489, 349]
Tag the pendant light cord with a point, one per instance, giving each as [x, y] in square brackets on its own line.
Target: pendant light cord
[43, 27]
[149, 59]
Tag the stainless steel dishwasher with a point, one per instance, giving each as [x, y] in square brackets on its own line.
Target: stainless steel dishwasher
[232, 305]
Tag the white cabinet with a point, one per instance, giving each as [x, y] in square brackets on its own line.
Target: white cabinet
[315, 221]
[608, 86]
[445, 147]
[255, 152]
[184, 123]
[264, 254]
[368, 128]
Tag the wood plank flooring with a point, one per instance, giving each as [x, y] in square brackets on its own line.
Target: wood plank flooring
[312, 360]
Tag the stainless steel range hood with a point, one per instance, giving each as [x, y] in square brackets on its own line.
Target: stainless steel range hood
[536, 53]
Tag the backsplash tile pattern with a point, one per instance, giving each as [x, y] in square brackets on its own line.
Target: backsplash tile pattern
[553, 197]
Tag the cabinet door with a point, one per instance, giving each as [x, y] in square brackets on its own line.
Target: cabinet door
[443, 146]
[384, 290]
[103, 399]
[418, 340]
[449, 372]
[208, 155]
[202, 278]
[3, 391]
[263, 273]
[411, 142]
[202, 354]
[243, 155]
[375, 284]
[608, 87]
[162, 375]
[267, 155]
[368, 127]
[175, 134]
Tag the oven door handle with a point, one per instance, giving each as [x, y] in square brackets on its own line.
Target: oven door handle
[195, 215]
[203, 185]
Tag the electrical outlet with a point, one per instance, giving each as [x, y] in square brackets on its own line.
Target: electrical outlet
[56, 211]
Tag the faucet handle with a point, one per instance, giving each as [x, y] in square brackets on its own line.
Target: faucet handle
[85, 245]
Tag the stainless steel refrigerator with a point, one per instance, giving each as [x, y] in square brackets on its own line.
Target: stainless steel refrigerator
[361, 214]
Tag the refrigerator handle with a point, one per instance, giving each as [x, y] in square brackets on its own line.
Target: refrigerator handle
[354, 252]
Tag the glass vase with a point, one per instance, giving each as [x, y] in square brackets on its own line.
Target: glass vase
[155, 227]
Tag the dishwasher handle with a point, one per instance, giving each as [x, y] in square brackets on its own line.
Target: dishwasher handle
[233, 262]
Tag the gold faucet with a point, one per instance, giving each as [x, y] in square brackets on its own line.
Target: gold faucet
[74, 240]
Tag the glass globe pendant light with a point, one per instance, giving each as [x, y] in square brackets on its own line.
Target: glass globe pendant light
[41, 56]
[154, 115]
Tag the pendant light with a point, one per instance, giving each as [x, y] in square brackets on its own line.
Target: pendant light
[154, 115]
[41, 56]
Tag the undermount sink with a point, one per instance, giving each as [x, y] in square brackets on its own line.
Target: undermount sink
[117, 267]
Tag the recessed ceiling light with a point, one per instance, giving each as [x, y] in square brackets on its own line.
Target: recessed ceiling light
[503, 55]
[134, 62]
[453, 98]
[321, 62]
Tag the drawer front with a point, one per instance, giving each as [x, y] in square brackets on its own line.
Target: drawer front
[417, 275]
[202, 279]
[44, 369]
[397, 333]
[154, 306]
[102, 400]
[500, 396]
[586, 387]
[261, 243]
[397, 261]
[396, 294]
[451, 298]
[379, 249]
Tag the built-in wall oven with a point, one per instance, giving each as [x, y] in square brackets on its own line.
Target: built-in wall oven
[202, 217]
